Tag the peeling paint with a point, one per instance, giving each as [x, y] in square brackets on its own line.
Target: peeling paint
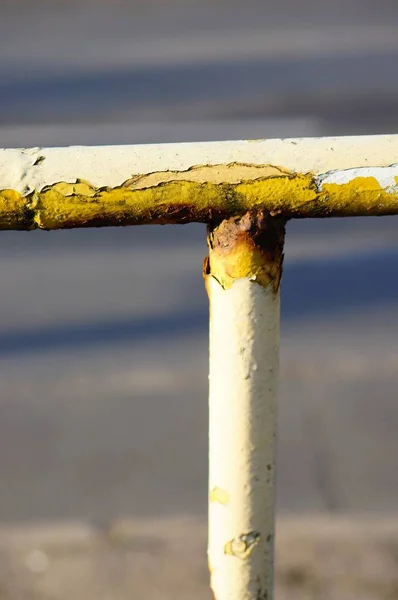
[246, 247]
[242, 546]
[219, 495]
[233, 173]
[361, 195]
[204, 194]
[385, 176]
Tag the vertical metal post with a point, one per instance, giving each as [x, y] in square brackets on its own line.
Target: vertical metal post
[242, 274]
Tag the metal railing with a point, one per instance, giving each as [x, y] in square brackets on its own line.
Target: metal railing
[245, 191]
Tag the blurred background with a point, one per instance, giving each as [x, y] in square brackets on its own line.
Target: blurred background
[103, 333]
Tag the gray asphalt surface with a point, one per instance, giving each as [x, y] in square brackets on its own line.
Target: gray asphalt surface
[103, 334]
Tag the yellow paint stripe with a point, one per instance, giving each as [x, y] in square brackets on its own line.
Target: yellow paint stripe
[65, 205]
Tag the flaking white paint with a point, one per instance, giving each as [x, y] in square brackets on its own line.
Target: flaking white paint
[109, 166]
[386, 176]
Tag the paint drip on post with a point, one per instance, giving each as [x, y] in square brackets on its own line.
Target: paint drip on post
[243, 274]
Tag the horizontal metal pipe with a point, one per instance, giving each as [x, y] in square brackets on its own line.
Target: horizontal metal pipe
[60, 188]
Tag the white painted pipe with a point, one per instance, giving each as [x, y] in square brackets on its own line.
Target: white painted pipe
[244, 356]
[61, 188]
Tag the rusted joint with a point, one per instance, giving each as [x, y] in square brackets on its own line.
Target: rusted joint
[250, 247]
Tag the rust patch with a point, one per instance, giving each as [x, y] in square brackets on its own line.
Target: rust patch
[246, 247]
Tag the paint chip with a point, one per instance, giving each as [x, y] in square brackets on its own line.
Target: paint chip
[219, 495]
[242, 546]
